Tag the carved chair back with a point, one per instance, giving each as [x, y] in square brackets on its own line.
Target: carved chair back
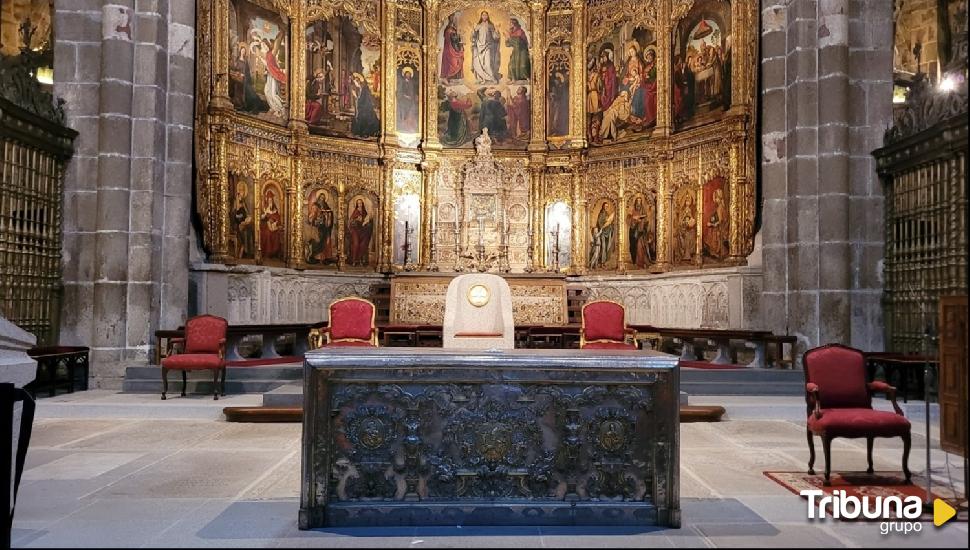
[840, 374]
[353, 320]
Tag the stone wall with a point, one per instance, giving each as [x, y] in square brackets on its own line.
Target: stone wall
[826, 101]
[126, 70]
[712, 298]
[256, 295]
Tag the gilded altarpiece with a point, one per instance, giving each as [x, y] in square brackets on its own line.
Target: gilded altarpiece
[342, 135]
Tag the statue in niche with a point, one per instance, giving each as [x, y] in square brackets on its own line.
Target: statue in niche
[483, 144]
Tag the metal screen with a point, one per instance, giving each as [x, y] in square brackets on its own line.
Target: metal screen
[926, 231]
[32, 158]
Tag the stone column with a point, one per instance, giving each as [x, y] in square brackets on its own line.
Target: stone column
[826, 70]
[127, 74]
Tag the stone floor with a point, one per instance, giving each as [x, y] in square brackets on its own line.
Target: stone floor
[108, 469]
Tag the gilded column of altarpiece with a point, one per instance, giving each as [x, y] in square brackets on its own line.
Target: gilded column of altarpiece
[342, 134]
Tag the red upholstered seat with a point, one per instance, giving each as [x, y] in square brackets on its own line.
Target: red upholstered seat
[604, 323]
[608, 345]
[840, 404]
[203, 347]
[352, 323]
[858, 423]
[349, 344]
[192, 361]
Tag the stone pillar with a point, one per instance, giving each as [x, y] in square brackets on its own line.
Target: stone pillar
[127, 73]
[826, 89]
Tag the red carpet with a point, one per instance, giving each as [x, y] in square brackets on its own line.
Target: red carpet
[860, 484]
[709, 365]
[259, 362]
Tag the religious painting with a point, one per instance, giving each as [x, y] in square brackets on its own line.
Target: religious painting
[558, 113]
[621, 85]
[717, 223]
[408, 93]
[319, 227]
[343, 68]
[642, 230]
[259, 56]
[701, 64]
[684, 242]
[558, 237]
[360, 234]
[484, 79]
[602, 235]
[407, 230]
[272, 223]
[242, 218]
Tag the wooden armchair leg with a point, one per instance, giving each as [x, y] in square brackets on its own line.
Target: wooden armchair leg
[811, 453]
[222, 389]
[184, 382]
[215, 383]
[827, 452]
[869, 454]
[907, 443]
[164, 382]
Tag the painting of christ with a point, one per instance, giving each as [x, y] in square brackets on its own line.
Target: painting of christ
[484, 78]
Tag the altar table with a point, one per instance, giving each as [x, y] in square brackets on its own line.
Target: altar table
[426, 436]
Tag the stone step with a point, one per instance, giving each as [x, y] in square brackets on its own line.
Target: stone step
[742, 382]
[238, 379]
[287, 395]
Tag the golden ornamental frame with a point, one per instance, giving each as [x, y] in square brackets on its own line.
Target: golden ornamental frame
[564, 167]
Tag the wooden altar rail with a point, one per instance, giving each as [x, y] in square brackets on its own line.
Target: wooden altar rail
[237, 333]
[768, 348]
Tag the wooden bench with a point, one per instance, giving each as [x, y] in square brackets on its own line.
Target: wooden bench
[760, 340]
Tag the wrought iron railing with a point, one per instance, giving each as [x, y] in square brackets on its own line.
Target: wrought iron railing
[924, 168]
[34, 148]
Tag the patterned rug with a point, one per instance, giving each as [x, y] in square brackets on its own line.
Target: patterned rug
[860, 484]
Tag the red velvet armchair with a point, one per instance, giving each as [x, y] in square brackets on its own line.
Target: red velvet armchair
[352, 324]
[604, 326]
[840, 404]
[202, 348]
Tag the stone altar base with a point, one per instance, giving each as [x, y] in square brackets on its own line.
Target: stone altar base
[415, 436]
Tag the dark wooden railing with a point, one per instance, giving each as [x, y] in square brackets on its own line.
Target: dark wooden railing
[58, 366]
[769, 349]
